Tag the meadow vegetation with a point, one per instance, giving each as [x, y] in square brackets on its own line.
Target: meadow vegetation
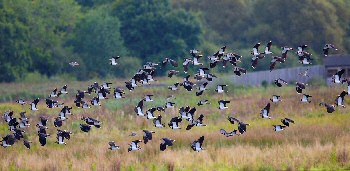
[317, 140]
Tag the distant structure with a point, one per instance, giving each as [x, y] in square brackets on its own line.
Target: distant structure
[332, 64]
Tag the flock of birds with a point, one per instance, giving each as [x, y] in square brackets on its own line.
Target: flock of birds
[145, 76]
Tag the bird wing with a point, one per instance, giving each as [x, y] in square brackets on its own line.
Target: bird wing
[232, 120]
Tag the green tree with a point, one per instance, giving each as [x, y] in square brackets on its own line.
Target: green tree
[31, 36]
[96, 39]
[152, 29]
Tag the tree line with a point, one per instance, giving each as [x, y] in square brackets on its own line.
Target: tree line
[44, 36]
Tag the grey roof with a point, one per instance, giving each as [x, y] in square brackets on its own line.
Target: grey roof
[337, 60]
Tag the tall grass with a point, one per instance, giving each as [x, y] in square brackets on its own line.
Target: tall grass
[317, 140]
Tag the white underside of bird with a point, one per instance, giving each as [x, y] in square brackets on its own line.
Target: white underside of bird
[222, 106]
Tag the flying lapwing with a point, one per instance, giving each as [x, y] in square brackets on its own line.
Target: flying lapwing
[147, 135]
[166, 142]
[133, 146]
[197, 145]
[265, 112]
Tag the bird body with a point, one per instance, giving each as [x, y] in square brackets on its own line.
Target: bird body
[197, 145]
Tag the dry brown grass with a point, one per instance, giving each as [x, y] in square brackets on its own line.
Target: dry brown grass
[317, 140]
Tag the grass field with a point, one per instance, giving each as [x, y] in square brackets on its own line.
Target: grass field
[317, 140]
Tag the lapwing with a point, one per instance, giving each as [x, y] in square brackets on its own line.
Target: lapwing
[13, 124]
[175, 123]
[158, 122]
[171, 73]
[85, 127]
[299, 87]
[41, 129]
[174, 87]
[242, 127]
[213, 61]
[305, 73]
[197, 145]
[129, 86]
[305, 98]
[203, 102]
[339, 101]
[188, 85]
[274, 61]
[185, 64]
[85, 105]
[147, 135]
[220, 88]
[210, 77]
[148, 98]
[55, 93]
[51, 103]
[113, 146]
[64, 90]
[330, 108]
[102, 93]
[337, 77]
[196, 60]
[327, 47]
[187, 113]
[285, 50]
[201, 89]
[7, 116]
[113, 60]
[133, 134]
[58, 122]
[21, 101]
[221, 52]
[287, 121]
[27, 143]
[198, 122]
[18, 133]
[8, 140]
[118, 93]
[228, 134]
[95, 101]
[239, 71]
[280, 82]
[265, 112]
[171, 61]
[42, 138]
[232, 58]
[222, 104]
[133, 146]
[278, 128]
[268, 48]
[92, 121]
[43, 120]
[60, 137]
[160, 109]
[169, 105]
[166, 142]
[202, 72]
[275, 99]
[149, 113]
[138, 109]
[195, 52]
[256, 55]
[73, 63]
[33, 105]
[106, 85]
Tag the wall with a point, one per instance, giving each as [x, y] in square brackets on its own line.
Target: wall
[287, 74]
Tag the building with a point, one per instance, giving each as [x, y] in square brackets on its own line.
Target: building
[334, 63]
[331, 65]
